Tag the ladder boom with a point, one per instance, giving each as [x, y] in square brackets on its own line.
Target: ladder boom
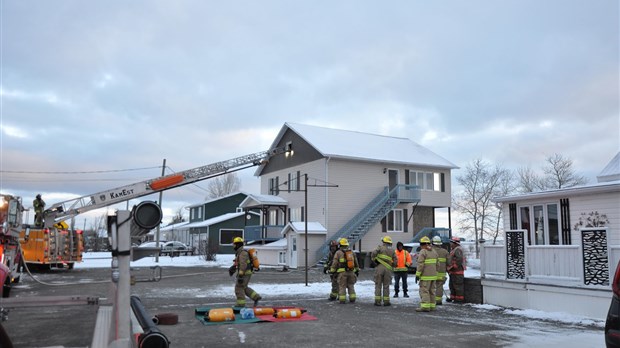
[67, 209]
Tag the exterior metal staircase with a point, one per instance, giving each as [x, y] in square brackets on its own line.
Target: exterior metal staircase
[370, 215]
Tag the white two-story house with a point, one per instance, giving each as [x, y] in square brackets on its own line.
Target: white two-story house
[348, 184]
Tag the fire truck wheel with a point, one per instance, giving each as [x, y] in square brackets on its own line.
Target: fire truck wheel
[166, 319]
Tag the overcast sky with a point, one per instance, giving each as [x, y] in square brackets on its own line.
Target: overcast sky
[112, 85]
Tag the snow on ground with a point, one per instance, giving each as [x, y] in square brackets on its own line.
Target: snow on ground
[365, 290]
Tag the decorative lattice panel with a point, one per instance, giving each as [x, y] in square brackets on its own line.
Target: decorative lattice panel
[515, 254]
[595, 257]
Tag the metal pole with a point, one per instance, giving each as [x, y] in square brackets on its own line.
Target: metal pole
[306, 221]
[163, 172]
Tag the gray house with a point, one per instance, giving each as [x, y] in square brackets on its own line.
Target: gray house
[356, 185]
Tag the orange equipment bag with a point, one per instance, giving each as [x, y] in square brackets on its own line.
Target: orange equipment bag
[254, 259]
[350, 260]
[289, 313]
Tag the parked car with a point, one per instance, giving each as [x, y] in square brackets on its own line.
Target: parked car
[175, 248]
[612, 324]
[413, 249]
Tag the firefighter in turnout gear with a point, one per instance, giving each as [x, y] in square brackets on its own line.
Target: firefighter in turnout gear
[346, 268]
[333, 247]
[426, 275]
[403, 261]
[385, 258]
[456, 270]
[39, 207]
[442, 258]
[243, 266]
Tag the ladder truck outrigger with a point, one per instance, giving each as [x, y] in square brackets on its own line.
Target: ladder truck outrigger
[122, 226]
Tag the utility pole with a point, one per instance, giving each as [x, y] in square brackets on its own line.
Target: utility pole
[161, 193]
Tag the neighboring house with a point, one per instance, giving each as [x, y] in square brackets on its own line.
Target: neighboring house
[562, 247]
[218, 221]
[355, 185]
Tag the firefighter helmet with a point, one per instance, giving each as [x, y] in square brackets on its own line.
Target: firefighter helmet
[425, 240]
[237, 240]
[437, 240]
[344, 242]
[456, 240]
[387, 239]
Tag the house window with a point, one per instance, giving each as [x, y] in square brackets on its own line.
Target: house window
[282, 258]
[227, 236]
[274, 186]
[395, 221]
[273, 217]
[293, 181]
[429, 181]
[296, 214]
[542, 223]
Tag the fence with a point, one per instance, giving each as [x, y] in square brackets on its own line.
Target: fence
[592, 263]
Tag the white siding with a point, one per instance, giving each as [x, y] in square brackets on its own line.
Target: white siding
[603, 203]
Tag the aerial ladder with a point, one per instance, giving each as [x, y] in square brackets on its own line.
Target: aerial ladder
[115, 324]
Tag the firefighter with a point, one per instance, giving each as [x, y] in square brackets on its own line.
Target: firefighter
[333, 247]
[426, 275]
[345, 266]
[385, 258]
[403, 262]
[39, 206]
[242, 265]
[456, 269]
[442, 258]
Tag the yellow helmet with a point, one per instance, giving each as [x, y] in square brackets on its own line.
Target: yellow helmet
[237, 240]
[387, 240]
[344, 242]
[425, 240]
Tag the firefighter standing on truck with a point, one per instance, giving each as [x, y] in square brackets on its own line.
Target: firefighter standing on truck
[39, 206]
[333, 247]
[426, 275]
[442, 258]
[344, 265]
[385, 258]
[243, 266]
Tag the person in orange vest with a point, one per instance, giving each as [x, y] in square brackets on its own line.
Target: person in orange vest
[426, 275]
[456, 270]
[333, 247]
[385, 258]
[442, 259]
[243, 266]
[346, 267]
[403, 261]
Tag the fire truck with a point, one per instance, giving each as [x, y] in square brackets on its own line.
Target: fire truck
[57, 245]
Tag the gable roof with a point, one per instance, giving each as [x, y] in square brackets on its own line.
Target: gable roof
[352, 145]
[214, 220]
[611, 172]
[299, 227]
[256, 200]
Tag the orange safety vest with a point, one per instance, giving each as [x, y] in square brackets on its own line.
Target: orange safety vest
[403, 259]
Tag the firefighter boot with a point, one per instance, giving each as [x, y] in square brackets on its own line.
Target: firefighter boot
[258, 298]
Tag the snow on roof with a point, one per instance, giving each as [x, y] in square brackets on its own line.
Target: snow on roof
[300, 227]
[354, 145]
[214, 220]
[216, 199]
[177, 226]
[253, 200]
[279, 244]
[611, 172]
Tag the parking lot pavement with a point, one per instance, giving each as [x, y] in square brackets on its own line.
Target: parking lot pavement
[181, 290]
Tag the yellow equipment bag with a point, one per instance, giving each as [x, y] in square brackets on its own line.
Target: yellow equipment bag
[289, 313]
[220, 314]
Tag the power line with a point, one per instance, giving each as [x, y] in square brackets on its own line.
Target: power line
[78, 172]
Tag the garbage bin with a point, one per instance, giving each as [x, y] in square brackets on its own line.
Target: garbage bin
[361, 259]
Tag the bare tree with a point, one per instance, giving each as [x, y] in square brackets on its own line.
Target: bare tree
[100, 226]
[222, 185]
[481, 182]
[178, 216]
[505, 186]
[559, 173]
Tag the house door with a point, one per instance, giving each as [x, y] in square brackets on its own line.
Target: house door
[392, 178]
[292, 251]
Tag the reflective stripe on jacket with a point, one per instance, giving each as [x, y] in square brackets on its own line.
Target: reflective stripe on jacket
[339, 262]
[457, 261]
[427, 265]
[403, 260]
[442, 259]
[242, 260]
[384, 256]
